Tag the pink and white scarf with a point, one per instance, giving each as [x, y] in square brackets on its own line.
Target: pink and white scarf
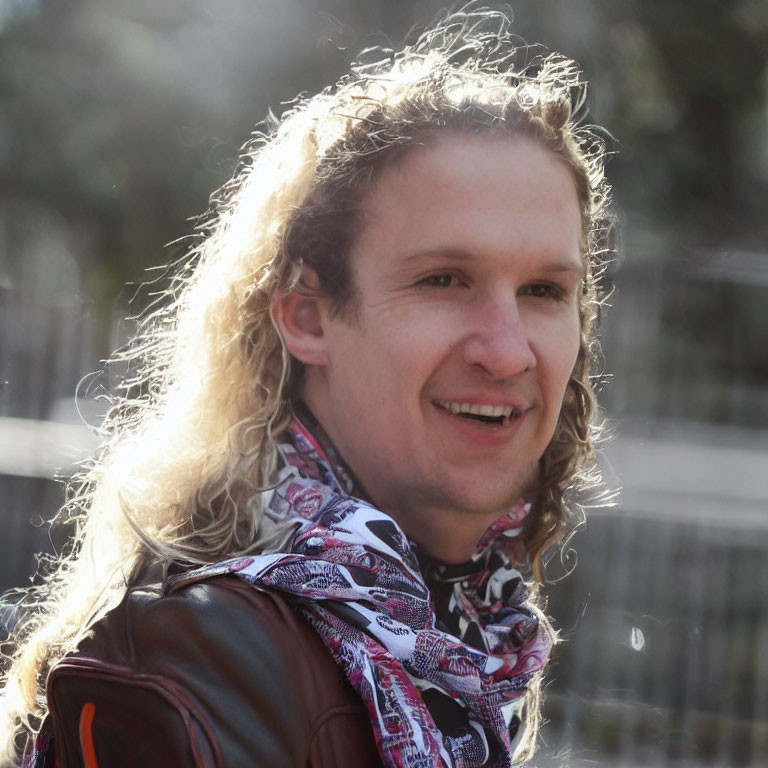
[441, 655]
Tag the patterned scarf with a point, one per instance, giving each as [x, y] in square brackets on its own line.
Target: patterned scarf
[441, 655]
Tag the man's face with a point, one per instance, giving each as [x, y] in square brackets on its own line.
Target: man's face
[444, 391]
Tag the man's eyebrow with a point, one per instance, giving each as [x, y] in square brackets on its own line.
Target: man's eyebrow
[458, 254]
[563, 266]
[437, 253]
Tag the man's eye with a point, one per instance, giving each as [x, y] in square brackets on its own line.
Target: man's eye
[542, 291]
[438, 281]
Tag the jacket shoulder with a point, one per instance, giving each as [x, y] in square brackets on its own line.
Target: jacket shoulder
[220, 672]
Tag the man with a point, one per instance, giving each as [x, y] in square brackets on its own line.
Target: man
[363, 408]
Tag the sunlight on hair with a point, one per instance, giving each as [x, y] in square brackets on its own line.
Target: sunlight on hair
[189, 443]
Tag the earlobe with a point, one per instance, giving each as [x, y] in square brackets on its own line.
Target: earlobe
[299, 319]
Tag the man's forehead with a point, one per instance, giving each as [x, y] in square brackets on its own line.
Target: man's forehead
[479, 200]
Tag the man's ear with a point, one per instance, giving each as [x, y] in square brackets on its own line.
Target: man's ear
[299, 316]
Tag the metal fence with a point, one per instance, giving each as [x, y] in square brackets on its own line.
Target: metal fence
[45, 349]
[664, 660]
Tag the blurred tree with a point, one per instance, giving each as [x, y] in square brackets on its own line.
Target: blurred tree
[711, 59]
[118, 120]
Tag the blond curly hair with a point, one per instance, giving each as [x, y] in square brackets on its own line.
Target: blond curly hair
[190, 440]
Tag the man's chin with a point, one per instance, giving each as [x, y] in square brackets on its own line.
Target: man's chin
[493, 500]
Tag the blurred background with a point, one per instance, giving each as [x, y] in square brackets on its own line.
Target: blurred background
[117, 120]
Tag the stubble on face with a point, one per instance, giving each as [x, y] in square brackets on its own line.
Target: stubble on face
[466, 282]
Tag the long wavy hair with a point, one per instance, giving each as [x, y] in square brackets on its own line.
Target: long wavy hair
[189, 442]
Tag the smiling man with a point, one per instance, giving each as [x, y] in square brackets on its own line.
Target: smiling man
[363, 409]
[442, 385]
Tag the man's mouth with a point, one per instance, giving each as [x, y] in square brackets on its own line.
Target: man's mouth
[486, 414]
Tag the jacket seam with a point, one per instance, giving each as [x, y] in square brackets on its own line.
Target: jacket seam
[177, 696]
[329, 714]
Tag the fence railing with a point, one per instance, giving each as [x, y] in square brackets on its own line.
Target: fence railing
[664, 619]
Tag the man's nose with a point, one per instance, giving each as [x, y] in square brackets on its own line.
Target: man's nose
[500, 342]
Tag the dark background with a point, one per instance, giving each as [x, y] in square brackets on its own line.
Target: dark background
[118, 120]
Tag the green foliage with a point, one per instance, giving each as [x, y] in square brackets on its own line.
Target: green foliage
[118, 120]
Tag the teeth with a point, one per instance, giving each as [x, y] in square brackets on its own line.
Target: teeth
[494, 411]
